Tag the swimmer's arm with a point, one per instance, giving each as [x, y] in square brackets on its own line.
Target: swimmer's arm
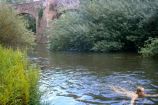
[117, 90]
[133, 100]
[151, 95]
[122, 91]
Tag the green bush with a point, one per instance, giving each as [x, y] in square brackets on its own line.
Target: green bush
[105, 25]
[13, 30]
[150, 48]
[18, 80]
[31, 22]
[70, 35]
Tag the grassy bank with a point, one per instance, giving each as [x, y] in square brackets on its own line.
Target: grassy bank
[18, 80]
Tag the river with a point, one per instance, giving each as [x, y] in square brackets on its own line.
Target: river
[84, 78]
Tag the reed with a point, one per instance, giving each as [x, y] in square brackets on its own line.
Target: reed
[18, 80]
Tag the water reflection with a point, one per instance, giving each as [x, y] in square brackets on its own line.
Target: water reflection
[84, 79]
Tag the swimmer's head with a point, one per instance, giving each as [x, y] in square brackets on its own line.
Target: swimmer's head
[140, 91]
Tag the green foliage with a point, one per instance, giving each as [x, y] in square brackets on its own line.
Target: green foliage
[13, 28]
[106, 25]
[104, 46]
[150, 48]
[19, 80]
[70, 35]
[31, 22]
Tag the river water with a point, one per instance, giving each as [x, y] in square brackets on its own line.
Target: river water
[84, 78]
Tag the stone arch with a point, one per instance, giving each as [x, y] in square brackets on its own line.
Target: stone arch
[23, 9]
[28, 13]
[32, 8]
[33, 15]
[33, 18]
[49, 12]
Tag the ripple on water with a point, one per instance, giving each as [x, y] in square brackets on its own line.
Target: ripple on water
[84, 87]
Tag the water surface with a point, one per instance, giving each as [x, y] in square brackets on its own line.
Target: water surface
[84, 78]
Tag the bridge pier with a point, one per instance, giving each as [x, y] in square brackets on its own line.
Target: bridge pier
[41, 25]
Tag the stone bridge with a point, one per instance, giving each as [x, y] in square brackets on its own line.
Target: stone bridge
[34, 9]
[49, 12]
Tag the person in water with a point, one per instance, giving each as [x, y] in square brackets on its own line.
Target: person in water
[139, 93]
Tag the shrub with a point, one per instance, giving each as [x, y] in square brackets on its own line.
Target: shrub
[31, 22]
[70, 35]
[13, 30]
[18, 80]
[150, 48]
[105, 25]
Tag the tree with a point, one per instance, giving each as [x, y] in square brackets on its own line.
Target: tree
[31, 22]
[150, 48]
[13, 28]
[105, 26]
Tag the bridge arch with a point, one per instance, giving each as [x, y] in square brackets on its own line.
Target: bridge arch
[33, 9]
[31, 21]
[27, 13]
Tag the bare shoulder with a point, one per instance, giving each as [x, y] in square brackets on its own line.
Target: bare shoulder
[135, 96]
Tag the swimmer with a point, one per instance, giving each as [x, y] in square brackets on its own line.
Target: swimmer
[139, 93]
